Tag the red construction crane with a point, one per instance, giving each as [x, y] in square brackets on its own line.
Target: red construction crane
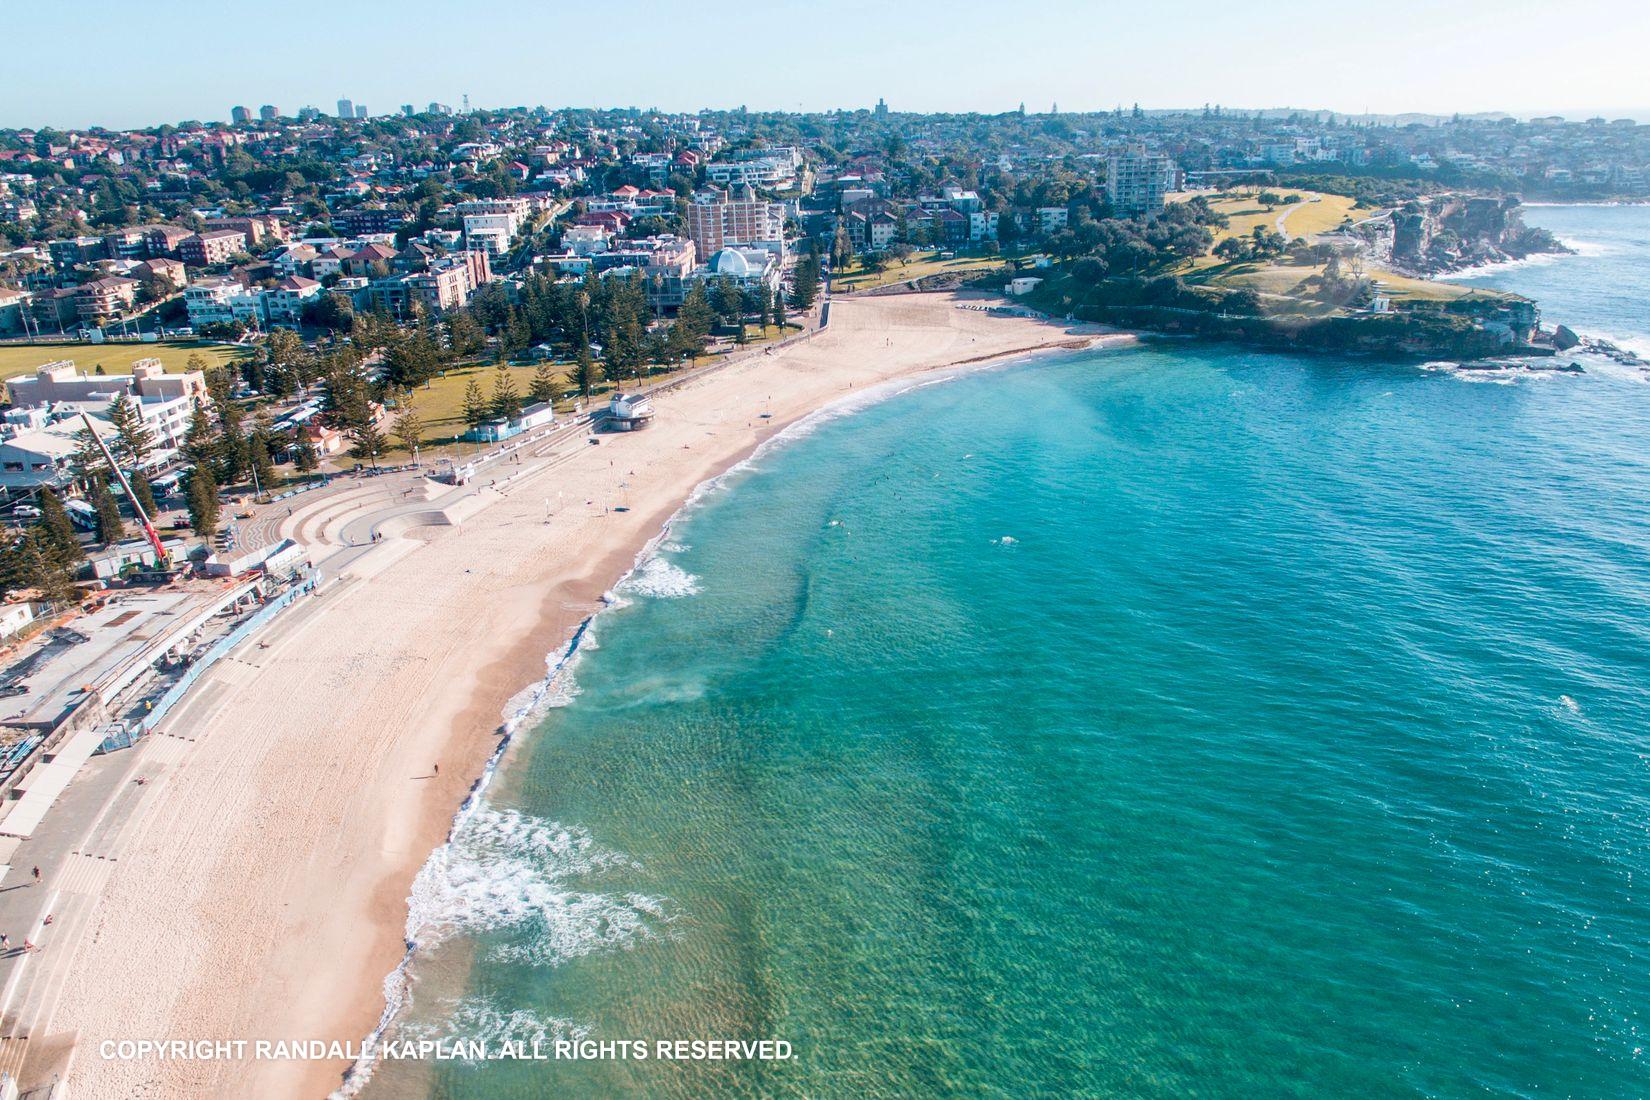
[149, 532]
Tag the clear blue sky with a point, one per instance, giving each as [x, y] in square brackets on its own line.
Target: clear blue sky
[84, 62]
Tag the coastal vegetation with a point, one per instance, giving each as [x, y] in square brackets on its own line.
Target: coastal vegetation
[1219, 267]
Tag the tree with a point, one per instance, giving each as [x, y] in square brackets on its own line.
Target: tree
[200, 442]
[542, 389]
[203, 501]
[263, 468]
[805, 284]
[842, 249]
[142, 495]
[730, 300]
[464, 336]
[29, 562]
[409, 427]
[506, 398]
[584, 371]
[694, 320]
[304, 457]
[234, 452]
[57, 536]
[133, 438]
[475, 410]
[110, 529]
[367, 441]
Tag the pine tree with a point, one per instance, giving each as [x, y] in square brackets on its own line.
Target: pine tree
[31, 563]
[263, 467]
[506, 398]
[368, 441]
[694, 320]
[87, 459]
[542, 389]
[203, 501]
[805, 285]
[730, 300]
[134, 439]
[143, 494]
[200, 443]
[234, 454]
[57, 534]
[584, 371]
[409, 427]
[110, 529]
[305, 458]
[475, 410]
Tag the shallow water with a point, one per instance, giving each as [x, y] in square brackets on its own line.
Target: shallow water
[1147, 722]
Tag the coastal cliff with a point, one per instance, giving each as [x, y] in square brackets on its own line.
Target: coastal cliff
[1440, 234]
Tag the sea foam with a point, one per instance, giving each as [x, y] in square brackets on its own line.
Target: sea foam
[506, 870]
[662, 579]
[482, 1019]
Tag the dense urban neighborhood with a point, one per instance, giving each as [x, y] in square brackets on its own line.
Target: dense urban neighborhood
[198, 319]
[273, 299]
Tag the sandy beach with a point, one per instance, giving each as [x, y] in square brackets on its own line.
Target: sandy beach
[262, 883]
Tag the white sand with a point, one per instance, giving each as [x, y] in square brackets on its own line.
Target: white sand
[261, 889]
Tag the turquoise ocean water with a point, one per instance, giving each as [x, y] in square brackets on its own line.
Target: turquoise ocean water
[1172, 721]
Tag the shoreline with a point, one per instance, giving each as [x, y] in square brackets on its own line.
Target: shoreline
[289, 833]
[560, 663]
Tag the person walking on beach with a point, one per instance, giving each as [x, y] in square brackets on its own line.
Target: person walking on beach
[5, 942]
[437, 769]
[37, 874]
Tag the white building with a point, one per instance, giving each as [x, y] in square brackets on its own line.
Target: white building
[491, 225]
[772, 168]
[212, 301]
[1052, 219]
[1138, 182]
[982, 225]
[286, 299]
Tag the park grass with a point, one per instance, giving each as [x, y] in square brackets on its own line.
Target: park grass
[1277, 279]
[918, 265]
[1314, 213]
[1402, 288]
[440, 401]
[1319, 214]
[115, 358]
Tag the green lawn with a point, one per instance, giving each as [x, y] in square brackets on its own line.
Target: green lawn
[440, 403]
[16, 359]
[918, 265]
[1313, 213]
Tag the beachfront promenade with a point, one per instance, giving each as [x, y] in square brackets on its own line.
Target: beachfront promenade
[350, 529]
[256, 884]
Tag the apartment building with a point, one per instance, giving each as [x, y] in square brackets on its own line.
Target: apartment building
[213, 247]
[666, 263]
[491, 225]
[771, 168]
[722, 219]
[103, 299]
[1138, 182]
